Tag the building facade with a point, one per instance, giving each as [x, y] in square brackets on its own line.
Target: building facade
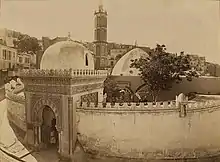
[100, 38]
[8, 36]
[8, 57]
[212, 69]
[24, 61]
[115, 52]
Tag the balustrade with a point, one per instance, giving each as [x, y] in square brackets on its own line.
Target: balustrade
[62, 72]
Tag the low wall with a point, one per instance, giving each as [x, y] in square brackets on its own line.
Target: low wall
[147, 132]
[143, 131]
[16, 110]
[203, 85]
[5, 158]
[2, 93]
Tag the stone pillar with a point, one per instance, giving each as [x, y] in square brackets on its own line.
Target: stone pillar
[36, 137]
[70, 121]
[39, 134]
[60, 146]
[74, 121]
[183, 107]
[66, 135]
[29, 137]
[100, 95]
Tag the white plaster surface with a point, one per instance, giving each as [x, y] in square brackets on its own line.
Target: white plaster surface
[66, 55]
[123, 65]
[119, 134]
[8, 140]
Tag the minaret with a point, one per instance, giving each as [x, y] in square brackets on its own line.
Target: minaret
[100, 38]
[69, 36]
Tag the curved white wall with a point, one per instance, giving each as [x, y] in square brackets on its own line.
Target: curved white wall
[146, 135]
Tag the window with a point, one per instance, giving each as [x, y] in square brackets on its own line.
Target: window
[87, 60]
[4, 54]
[26, 60]
[20, 60]
[98, 50]
[9, 55]
[102, 63]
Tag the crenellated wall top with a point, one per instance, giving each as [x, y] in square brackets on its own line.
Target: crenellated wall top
[62, 73]
[149, 106]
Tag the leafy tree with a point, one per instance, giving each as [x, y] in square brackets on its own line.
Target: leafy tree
[111, 89]
[27, 44]
[161, 69]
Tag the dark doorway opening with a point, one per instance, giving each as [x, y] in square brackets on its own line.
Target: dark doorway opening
[49, 133]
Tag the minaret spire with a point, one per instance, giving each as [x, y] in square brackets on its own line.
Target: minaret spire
[100, 5]
[135, 44]
[69, 36]
[100, 38]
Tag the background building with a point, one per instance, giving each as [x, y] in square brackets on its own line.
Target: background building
[24, 61]
[212, 69]
[9, 36]
[8, 57]
[198, 63]
[118, 51]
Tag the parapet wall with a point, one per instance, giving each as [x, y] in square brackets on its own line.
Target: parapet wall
[149, 132]
[16, 110]
[141, 130]
[149, 106]
[62, 73]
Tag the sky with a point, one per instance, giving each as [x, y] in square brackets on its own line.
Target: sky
[192, 26]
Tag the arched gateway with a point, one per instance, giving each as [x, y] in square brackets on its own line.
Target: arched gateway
[56, 92]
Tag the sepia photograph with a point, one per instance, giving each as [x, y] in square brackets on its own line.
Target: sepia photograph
[109, 80]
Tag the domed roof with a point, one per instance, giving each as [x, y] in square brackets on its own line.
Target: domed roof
[122, 67]
[66, 55]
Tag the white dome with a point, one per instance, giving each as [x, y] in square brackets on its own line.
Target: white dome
[66, 55]
[122, 67]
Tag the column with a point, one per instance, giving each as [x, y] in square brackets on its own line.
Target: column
[64, 142]
[39, 134]
[60, 146]
[36, 136]
[74, 121]
[100, 95]
[183, 110]
[67, 137]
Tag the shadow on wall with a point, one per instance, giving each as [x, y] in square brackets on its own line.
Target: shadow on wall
[202, 85]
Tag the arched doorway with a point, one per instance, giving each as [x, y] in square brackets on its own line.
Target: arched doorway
[49, 133]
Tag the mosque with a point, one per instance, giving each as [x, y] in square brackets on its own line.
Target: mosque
[100, 53]
[61, 105]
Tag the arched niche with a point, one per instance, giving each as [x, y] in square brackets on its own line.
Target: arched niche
[37, 114]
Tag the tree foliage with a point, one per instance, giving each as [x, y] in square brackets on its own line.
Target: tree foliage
[27, 44]
[111, 89]
[161, 69]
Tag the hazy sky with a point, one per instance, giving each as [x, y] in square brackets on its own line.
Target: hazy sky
[183, 25]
